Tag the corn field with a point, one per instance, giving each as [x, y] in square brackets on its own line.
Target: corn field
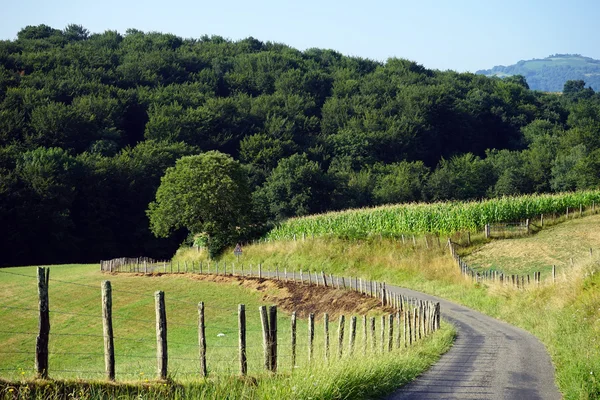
[436, 218]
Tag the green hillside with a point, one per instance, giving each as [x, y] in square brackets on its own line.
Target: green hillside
[551, 73]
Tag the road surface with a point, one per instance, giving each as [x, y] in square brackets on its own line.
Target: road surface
[490, 359]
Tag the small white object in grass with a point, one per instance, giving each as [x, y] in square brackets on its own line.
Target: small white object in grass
[220, 334]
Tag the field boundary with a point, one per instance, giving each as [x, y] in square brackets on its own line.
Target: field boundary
[405, 321]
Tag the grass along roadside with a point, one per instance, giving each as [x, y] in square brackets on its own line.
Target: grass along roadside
[371, 378]
[76, 341]
[565, 316]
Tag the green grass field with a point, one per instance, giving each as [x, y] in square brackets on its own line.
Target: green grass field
[76, 344]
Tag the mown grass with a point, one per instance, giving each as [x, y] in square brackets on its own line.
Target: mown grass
[565, 316]
[76, 344]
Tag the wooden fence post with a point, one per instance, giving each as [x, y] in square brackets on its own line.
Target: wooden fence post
[293, 329]
[41, 344]
[202, 340]
[391, 332]
[383, 333]
[326, 329]
[311, 335]
[107, 328]
[161, 335]
[373, 338]
[487, 231]
[554, 274]
[405, 315]
[273, 337]
[398, 333]
[341, 335]
[364, 334]
[264, 319]
[415, 323]
[242, 339]
[352, 335]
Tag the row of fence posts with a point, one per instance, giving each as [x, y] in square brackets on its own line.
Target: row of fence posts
[518, 281]
[366, 287]
[570, 211]
[419, 319]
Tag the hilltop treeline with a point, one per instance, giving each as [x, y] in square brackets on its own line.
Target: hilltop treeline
[90, 122]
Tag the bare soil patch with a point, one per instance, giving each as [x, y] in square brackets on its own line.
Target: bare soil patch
[303, 298]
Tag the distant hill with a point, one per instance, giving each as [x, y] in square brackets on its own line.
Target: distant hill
[551, 73]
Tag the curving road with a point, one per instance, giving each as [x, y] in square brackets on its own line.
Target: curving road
[490, 359]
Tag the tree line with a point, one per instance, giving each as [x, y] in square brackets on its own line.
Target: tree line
[89, 123]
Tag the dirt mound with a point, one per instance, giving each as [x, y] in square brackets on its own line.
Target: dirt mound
[304, 298]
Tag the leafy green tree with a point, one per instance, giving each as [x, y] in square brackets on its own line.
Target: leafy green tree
[297, 186]
[565, 173]
[206, 194]
[75, 32]
[400, 183]
[460, 178]
[575, 90]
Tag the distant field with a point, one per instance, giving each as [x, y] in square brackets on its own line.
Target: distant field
[555, 245]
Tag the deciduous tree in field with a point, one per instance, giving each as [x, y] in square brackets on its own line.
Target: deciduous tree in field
[204, 194]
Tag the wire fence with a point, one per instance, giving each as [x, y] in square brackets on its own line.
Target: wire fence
[282, 343]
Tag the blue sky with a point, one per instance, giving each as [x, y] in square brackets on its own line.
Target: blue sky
[463, 35]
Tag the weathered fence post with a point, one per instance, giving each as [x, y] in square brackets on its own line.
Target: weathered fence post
[202, 340]
[352, 335]
[326, 332]
[161, 335]
[364, 334]
[273, 337]
[311, 335]
[554, 274]
[293, 329]
[41, 344]
[487, 231]
[391, 332]
[373, 338]
[264, 319]
[107, 327]
[341, 335]
[242, 339]
[383, 333]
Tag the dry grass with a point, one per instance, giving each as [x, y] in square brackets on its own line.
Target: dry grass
[555, 245]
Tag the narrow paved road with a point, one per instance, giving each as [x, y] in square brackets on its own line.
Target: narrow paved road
[489, 360]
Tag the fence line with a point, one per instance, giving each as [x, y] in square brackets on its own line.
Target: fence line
[515, 280]
[276, 338]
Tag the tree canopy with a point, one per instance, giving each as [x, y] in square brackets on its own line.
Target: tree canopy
[90, 122]
[205, 194]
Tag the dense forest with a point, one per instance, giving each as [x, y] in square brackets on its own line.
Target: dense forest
[551, 73]
[89, 123]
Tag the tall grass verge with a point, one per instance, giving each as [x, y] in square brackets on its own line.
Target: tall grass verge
[565, 316]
